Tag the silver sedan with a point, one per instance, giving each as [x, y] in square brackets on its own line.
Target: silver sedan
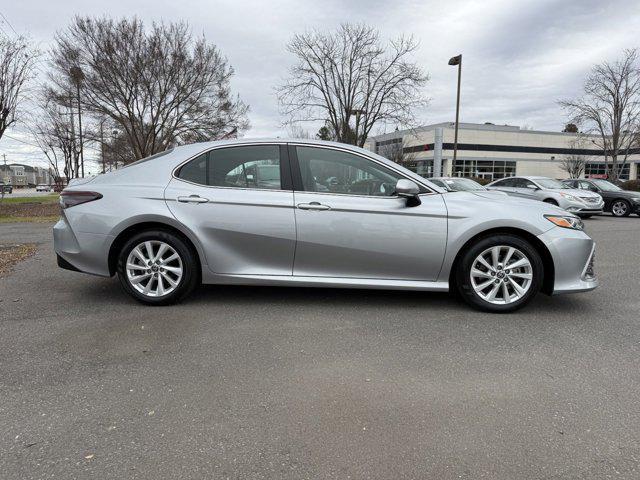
[579, 202]
[317, 214]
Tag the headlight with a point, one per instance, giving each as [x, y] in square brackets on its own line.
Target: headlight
[571, 198]
[573, 223]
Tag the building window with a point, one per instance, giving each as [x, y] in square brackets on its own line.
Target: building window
[599, 170]
[487, 169]
[423, 168]
[388, 144]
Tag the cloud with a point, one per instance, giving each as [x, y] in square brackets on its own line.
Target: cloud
[519, 57]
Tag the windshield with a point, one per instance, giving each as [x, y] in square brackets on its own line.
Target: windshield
[606, 186]
[462, 184]
[550, 183]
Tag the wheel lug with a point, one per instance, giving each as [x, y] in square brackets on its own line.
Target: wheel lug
[497, 281]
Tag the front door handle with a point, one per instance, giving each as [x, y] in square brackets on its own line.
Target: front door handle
[193, 199]
[313, 206]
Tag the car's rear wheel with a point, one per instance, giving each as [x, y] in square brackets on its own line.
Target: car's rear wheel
[620, 208]
[157, 268]
[501, 273]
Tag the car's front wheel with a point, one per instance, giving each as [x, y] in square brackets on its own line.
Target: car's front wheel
[620, 208]
[501, 273]
[157, 268]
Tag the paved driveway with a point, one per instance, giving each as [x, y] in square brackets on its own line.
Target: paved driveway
[303, 383]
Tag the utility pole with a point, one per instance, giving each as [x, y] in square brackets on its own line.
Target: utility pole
[457, 60]
[78, 76]
[102, 145]
[73, 150]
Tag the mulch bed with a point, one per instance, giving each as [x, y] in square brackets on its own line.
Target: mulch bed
[29, 209]
[12, 254]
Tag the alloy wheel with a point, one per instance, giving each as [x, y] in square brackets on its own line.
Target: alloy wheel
[154, 268]
[501, 275]
[619, 208]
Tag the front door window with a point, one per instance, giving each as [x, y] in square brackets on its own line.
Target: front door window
[335, 171]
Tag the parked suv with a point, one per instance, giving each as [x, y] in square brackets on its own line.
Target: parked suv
[581, 202]
[619, 202]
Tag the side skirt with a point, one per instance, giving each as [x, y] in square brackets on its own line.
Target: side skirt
[327, 282]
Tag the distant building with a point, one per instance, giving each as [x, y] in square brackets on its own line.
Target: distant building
[495, 151]
[23, 176]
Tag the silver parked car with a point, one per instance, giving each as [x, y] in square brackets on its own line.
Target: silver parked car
[580, 202]
[458, 184]
[311, 213]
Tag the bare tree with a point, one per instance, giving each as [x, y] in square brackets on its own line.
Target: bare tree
[55, 134]
[350, 77]
[17, 67]
[296, 131]
[610, 108]
[160, 86]
[575, 163]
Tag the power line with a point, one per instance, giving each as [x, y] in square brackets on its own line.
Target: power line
[8, 23]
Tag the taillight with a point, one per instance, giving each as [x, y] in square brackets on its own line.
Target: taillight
[71, 198]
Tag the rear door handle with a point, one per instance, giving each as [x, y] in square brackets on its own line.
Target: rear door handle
[193, 199]
[313, 206]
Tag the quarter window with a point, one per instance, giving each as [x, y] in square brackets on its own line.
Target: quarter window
[335, 171]
[240, 167]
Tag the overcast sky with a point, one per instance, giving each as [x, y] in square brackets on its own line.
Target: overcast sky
[519, 56]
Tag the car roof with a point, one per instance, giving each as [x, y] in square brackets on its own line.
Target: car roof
[182, 153]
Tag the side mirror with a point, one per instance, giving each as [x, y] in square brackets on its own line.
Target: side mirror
[409, 190]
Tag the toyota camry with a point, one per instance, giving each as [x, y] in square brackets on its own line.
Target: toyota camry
[314, 214]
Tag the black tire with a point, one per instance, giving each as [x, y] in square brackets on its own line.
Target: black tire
[189, 280]
[465, 264]
[585, 216]
[620, 208]
[551, 201]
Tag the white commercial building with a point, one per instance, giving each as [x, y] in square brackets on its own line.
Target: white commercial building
[494, 151]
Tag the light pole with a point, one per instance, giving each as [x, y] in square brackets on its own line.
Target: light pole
[457, 60]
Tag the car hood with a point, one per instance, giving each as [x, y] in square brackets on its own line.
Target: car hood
[500, 198]
[576, 192]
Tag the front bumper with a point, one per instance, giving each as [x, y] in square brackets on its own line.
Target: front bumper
[573, 254]
[586, 208]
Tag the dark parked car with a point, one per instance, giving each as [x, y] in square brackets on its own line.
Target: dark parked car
[619, 202]
[5, 188]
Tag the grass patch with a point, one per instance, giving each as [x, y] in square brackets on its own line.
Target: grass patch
[9, 200]
[16, 219]
[10, 255]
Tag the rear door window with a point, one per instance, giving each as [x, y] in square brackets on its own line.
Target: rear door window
[255, 166]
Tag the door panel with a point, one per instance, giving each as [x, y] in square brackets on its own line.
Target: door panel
[242, 230]
[369, 237]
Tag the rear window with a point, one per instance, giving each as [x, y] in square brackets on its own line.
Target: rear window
[256, 166]
[152, 157]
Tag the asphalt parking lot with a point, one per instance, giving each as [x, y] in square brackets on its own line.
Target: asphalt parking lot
[305, 383]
